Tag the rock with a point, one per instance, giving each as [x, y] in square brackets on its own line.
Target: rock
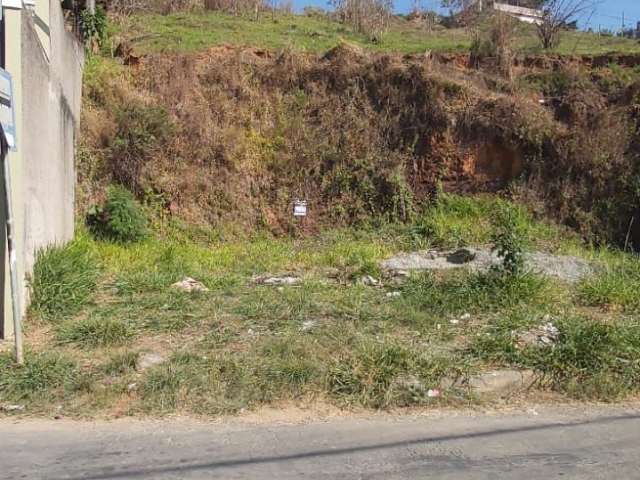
[500, 381]
[433, 393]
[569, 269]
[13, 408]
[189, 284]
[308, 325]
[461, 256]
[274, 280]
[369, 281]
[410, 383]
[395, 294]
[565, 268]
[542, 336]
[333, 273]
[148, 360]
[132, 387]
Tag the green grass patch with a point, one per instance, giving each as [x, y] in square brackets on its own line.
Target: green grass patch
[64, 279]
[198, 31]
[121, 363]
[591, 359]
[457, 221]
[94, 332]
[615, 286]
[42, 374]
[462, 292]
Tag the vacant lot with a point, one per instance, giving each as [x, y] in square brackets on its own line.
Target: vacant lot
[109, 335]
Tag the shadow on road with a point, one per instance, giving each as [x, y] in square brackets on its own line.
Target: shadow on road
[184, 468]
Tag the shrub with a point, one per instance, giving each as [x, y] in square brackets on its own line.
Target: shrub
[94, 27]
[141, 131]
[120, 218]
[64, 279]
[509, 241]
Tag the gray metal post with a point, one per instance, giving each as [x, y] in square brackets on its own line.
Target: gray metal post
[13, 263]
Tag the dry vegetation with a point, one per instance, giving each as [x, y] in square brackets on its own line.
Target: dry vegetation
[233, 135]
[393, 153]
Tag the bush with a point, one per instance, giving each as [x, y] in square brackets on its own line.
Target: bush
[120, 218]
[509, 241]
[64, 279]
[142, 131]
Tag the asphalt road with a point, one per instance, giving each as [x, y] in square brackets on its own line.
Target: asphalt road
[568, 444]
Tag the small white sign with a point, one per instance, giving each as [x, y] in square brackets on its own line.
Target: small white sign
[7, 115]
[300, 208]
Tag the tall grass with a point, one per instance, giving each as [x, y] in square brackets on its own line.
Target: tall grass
[64, 279]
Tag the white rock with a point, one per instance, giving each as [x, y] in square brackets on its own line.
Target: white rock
[284, 280]
[148, 360]
[13, 408]
[369, 281]
[189, 284]
[393, 294]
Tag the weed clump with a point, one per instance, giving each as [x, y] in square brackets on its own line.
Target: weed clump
[121, 363]
[616, 287]
[366, 377]
[590, 359]
[94, 332]
[40, 374]
[64, 279]
[120, 218]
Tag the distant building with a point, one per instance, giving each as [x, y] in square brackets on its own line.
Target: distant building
[524, 14]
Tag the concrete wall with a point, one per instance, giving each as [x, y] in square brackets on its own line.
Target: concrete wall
[49, 74]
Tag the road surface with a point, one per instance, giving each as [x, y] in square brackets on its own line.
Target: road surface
[548, 444]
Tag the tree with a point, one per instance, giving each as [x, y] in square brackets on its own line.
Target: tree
[370, 17]
[557, 14]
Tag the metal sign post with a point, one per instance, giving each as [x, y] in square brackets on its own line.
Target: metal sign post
[8, 141]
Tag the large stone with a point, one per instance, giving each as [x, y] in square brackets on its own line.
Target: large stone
[500, 382]
[568, 269]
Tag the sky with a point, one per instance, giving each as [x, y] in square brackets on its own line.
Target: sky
[608, 13]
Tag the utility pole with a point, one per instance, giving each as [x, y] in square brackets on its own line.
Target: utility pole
[11, 248]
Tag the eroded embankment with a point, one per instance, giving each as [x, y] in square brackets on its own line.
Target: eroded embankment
[235, 135]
